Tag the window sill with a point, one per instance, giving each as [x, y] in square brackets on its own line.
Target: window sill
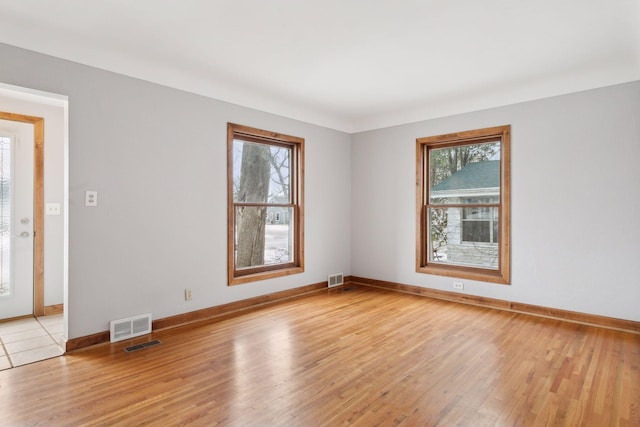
[264, 275]
[471, 273]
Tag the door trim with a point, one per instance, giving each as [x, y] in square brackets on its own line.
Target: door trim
[38, 206]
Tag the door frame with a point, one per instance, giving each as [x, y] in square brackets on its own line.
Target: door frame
[38, 205]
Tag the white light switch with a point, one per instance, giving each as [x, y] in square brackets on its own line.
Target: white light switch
[53, 209]
[91, 198]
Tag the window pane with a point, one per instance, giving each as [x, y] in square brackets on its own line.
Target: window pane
[279, 189]
[261, 173]
[264, 236]
[458, 173]
[476, 231]
[458, 241]
[480, 225]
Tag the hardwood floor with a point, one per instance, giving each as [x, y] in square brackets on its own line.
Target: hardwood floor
[361, 357]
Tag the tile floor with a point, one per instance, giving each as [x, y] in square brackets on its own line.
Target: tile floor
[30, 340]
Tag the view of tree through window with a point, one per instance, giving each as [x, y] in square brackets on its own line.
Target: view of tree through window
[265, 210]
[463, 198]
[261, 175]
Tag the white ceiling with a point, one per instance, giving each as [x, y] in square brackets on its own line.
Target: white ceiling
[351, 65]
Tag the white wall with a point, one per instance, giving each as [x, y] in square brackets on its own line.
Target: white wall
[53, 188]
[157, 157]
[575, 201]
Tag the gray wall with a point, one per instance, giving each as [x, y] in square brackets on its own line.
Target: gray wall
[575, 201]
[157, 157]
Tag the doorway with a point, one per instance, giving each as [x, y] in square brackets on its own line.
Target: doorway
[43, 331]
[21, 215]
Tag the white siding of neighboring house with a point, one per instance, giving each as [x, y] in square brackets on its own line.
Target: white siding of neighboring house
[477, 254]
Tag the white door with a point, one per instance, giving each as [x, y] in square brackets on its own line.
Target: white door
[16, 218]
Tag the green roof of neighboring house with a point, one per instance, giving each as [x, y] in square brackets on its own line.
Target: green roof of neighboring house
[473, 175]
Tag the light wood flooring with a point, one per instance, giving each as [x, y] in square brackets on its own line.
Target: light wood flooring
[362, 357]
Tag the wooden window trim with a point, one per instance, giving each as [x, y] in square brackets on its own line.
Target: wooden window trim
[503, 274]
[246, 133]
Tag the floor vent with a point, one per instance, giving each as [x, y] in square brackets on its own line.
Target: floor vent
[336, 280]
[130, 327]
[137, 347]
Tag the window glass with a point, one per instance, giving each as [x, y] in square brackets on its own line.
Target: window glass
[261, 173]
[271, 243]
[457, 172]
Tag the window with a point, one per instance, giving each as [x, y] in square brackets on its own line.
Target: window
[480, 224]
[463, 205]
[265, 210]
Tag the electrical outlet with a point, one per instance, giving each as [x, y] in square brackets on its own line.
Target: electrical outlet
[91, 198]
[187, 294]
[458, 285]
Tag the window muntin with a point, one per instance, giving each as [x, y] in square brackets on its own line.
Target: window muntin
[265, 208]
[463, 205]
